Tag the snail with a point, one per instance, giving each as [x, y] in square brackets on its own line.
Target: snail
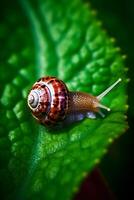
[51, 102]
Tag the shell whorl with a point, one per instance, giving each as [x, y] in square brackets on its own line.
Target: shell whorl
[33, 99]
[48, 100]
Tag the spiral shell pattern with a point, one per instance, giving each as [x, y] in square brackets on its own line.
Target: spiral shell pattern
[48, 100]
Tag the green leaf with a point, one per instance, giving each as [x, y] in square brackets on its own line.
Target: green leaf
[63, 39]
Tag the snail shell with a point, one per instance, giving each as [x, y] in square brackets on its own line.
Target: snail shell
[48, 100]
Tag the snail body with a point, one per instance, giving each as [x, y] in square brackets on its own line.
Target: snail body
[52, 103]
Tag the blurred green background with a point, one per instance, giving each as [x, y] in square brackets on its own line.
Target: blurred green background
[118, 19]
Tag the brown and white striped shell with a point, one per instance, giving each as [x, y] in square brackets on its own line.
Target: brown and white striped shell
[48, 100]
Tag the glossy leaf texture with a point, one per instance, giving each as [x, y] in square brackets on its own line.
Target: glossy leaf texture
[62, 39]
